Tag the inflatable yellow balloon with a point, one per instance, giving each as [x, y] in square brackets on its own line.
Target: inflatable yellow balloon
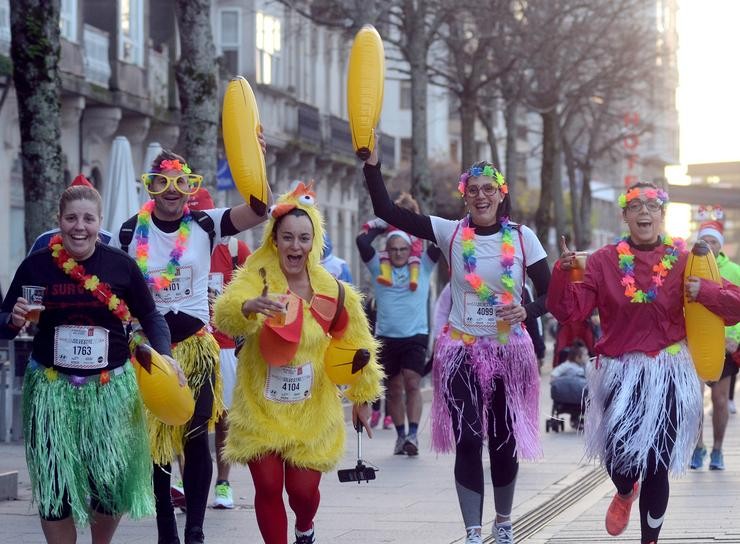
[344, 362]
[241, 120]
[705, 331]
[160, 390]
[365, 81]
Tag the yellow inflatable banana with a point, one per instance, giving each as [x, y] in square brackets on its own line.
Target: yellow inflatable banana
[344, 362]
[365, 81]
[241, 120]
[705, 331]
[160, 390]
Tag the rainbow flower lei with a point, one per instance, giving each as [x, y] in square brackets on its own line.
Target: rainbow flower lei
[627, 265]
[488, 171]
[142, 246]
[174, 164]
[484, 292]
[99, 289]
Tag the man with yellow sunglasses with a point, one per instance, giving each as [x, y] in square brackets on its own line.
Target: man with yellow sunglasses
[172, 246]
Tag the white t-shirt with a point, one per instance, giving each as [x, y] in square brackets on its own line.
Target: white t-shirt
[188, 292]
[469, 314]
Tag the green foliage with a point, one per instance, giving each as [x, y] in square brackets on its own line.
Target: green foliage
[6, 66]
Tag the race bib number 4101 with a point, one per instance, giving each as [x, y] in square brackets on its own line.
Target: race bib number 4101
[180, 288]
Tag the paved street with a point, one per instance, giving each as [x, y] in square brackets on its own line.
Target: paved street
[559, 500]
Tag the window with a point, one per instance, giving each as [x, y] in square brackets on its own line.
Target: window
[405, 95]
[5, 21]
[131, 40]
[68, 20]
[229, 39]
[269, 35]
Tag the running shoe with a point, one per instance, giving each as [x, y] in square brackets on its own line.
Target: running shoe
[398, 448]
[503, 533]
[224, 498]
[194, 535]
[387, 422]
[697, 458]
[474, 537]
[618, 514]
[731, 406]
[411, 445]
[716, 460]
[177, 494]
[374, 419]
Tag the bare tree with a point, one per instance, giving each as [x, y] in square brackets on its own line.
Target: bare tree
[35, 52]
[197, 84]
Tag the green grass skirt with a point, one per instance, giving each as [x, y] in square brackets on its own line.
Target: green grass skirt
[198, 356]
[86, 441]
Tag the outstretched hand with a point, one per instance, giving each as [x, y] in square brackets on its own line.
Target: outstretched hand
[567, 258]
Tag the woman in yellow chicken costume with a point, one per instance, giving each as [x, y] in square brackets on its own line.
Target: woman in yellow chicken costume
[286, 421]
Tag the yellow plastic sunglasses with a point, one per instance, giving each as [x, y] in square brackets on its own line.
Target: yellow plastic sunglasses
[186, 184]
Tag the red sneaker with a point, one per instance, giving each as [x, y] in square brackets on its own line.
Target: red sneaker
[374, 419]
[388, 422]
[618, 513]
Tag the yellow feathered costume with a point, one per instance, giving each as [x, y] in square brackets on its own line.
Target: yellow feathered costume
[309, 433]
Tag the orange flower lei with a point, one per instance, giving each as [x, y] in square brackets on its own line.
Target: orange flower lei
[99, 289]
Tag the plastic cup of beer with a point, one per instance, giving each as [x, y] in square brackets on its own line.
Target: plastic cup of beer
[34, 294]
[502, 326]
[277, 319]
[579, 267]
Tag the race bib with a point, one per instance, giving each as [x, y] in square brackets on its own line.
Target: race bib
[216, 282]
[288, 384]
[180, 288]
[80, 347]
[478, 313]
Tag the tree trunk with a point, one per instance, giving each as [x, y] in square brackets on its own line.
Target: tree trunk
[467, 130]
[570, 166]
[197, 84]
[585, 212]
[543, 217]
[421, 186]
[35, 52]
[486, 118]
[510, 118]
[558, 197]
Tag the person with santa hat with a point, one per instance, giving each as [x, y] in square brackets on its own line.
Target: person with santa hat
[712, 233]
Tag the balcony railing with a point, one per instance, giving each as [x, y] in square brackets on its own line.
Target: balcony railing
[97, 63]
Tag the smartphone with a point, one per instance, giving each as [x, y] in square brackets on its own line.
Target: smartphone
[360, 473]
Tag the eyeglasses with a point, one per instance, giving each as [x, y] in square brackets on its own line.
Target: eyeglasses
[636, 205]
[489, 189]
[186, 184]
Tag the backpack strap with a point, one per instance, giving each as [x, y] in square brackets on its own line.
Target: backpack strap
[524, 258]
[126, 234]
[340, 305]
[449, 260]
[206, 223]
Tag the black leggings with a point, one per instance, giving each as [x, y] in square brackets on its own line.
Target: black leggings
[197, 472]
[501, 445]
[655, 488]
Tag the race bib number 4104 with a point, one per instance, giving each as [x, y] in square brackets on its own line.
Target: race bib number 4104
[288, 384]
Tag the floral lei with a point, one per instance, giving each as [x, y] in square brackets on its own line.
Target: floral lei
[142, 246]
[484, 292]
[657, 194]
[99, 289]
[627, 265]
[174, 164]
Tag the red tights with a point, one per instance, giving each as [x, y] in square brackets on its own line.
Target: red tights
[302, 484]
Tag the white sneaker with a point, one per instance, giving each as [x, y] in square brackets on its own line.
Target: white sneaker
[224, 497]
[731, 406]
[504, 533]
[474, 537]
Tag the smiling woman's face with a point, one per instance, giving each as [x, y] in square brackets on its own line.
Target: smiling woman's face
[644, 218]
[79, 224]
[294, 240]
